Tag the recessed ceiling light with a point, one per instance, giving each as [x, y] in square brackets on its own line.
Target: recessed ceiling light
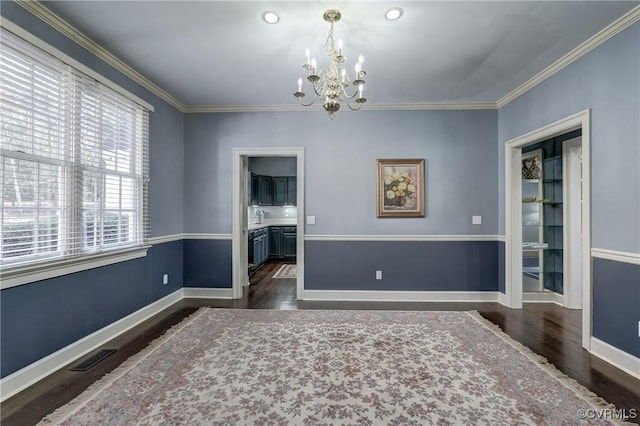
[393, 13]
[270, 17]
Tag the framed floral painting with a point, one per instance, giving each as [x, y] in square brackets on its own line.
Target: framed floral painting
[400, 188]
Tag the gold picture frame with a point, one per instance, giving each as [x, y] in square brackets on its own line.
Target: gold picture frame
[400, 187]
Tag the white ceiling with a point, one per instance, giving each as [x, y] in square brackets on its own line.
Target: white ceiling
[221, 53]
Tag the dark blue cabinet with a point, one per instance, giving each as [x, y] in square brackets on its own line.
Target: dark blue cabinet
[259, 251]
[289, 241]
[272, 191]
[260, 190]
[265, 190]
[254, 190]
[292, 190]
[279, 191]
[275, 242]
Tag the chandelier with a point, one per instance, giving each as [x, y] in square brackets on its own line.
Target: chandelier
[332, 84]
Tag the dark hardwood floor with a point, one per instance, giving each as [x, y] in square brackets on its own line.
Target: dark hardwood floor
[547, 329]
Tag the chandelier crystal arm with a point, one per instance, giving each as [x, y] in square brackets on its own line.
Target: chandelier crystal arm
[357, 108]
[310, 103]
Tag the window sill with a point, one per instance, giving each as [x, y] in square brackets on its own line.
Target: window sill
[19, 275]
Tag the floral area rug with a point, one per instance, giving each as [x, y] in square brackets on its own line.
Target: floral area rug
[264, 367]
[286, 271]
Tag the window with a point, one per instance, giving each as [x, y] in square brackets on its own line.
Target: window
[73, 161]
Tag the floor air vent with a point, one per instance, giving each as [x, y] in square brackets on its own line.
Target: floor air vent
[93, 360]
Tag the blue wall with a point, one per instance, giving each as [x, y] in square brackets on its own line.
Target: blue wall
[207, 263]
[340, 167]
[42, 317]
[45, 316]
[340, 173]
[616, 304]
[406, 266]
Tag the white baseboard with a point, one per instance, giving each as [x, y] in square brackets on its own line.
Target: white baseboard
[40, 369]
[616, 357]
[502, 299]
[401, 296]
[543, 297]
[207, 293]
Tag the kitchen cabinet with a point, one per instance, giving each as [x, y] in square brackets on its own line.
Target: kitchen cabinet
[275, 242]
[292, 190]
[279, 191]
[289, 241]
[260, 246]
[272, 191]
[260, 190]
[283, 190]
[265, 190]
[254, 190]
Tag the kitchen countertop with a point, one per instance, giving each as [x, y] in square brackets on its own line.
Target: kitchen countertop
[272, 222]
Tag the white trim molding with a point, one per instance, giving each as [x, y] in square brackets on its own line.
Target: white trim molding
[617, 256]
[543, 297]
[189, 236]
[318, 237]
[401, 296]
[605, 34]
[27, 376]
[373, 107]
[616, 357]
[206, 236]
[207, 293]
[13, 277]
[165, 239]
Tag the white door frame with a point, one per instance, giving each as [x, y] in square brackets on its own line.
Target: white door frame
[572, 222]
[513, 212]
[239, 232]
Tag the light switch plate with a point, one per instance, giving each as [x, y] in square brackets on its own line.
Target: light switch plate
[311, 220]
[476, 220]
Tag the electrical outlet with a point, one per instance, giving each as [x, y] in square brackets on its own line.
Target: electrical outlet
[165, 279]
[378, 275]
[476, 220]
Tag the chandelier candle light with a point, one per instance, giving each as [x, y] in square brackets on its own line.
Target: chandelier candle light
[332, 83]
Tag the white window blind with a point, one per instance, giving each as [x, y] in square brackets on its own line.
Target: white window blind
[74, 152]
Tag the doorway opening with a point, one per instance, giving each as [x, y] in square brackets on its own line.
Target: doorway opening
[551, 220]
[569, 225]
[249, 216]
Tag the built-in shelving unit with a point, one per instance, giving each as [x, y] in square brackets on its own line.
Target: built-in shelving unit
[542, 219]
[533, 244]
[552, 187]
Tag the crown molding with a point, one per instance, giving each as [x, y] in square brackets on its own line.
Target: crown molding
[605, 34]
[433, 106]
[46, 15]
[249, 108]
[371, 107]
[56, 22]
